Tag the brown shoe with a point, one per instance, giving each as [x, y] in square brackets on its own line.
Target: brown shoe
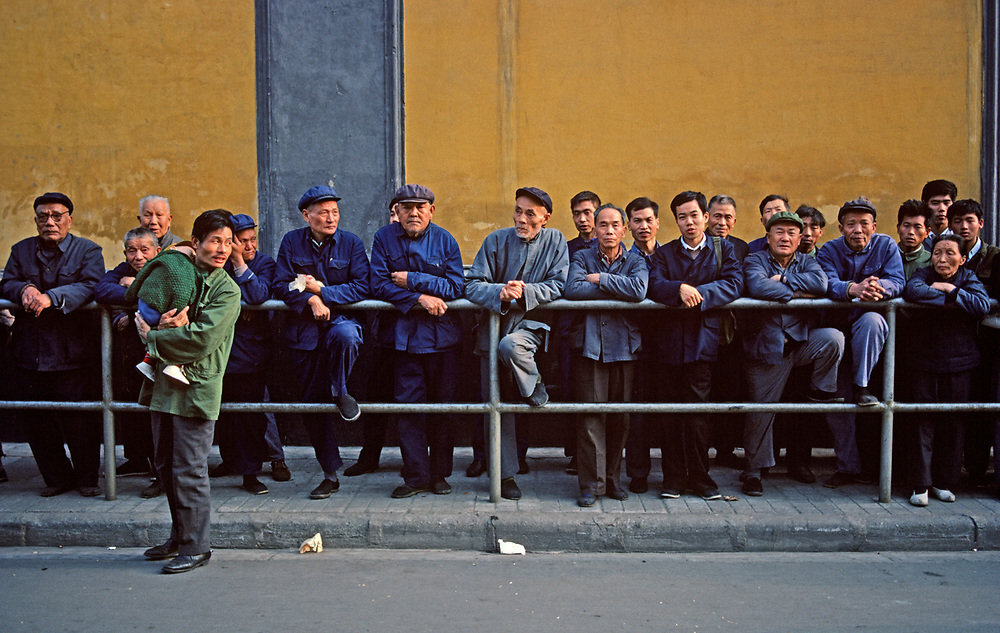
[279, 471]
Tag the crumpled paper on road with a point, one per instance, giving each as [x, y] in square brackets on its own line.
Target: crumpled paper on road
[509, 547]
[314, 544]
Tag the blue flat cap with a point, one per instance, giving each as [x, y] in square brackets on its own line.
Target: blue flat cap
[242, 222]
[540, 196]
[412, 193]
[317, 194]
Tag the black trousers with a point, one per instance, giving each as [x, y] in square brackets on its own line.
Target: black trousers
[49, 431]
[685, 436]
[241, 435]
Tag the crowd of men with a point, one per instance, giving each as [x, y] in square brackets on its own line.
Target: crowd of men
[697, 353]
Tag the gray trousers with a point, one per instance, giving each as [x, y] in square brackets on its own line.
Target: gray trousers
[868, 334]
[517, 352]
[180, 455]
[823, 350]
[600, 437]
[508, 428]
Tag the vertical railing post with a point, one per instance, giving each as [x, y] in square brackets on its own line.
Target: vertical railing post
[889, 397]
[494, 427]
[107, 395]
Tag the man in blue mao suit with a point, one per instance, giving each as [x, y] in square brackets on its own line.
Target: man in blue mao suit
[320, 267]
[865, 267]
[698, 272]
[417, 266]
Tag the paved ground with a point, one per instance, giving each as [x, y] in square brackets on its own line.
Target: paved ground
[789, 517]
[358, 590]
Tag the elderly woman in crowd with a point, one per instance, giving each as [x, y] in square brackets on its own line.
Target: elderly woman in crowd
[944, 361]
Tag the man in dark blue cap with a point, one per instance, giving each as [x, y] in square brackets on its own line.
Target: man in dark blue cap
[319, 268]
[516, 271]
[417, 266]
[54, 345]
[241, 436]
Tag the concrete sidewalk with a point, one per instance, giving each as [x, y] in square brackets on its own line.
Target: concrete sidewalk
[789, 517]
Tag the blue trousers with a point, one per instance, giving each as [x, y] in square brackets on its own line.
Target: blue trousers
[426, 442]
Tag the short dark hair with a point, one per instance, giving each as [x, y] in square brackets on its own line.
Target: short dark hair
[964, 207]
[950, 237]
[585, 196]
[772, 198]
[805, 211]
[913, 208]
[642, 203]
[722, 199]
[687, 196]
[212, 220]
[597, 212]
[939, 188]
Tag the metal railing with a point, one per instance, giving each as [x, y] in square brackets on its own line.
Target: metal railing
[494, 407]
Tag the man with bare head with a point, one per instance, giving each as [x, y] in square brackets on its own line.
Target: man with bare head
[154, 214]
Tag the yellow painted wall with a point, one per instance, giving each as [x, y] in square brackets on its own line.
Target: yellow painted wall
[110, 100]
[819, 100]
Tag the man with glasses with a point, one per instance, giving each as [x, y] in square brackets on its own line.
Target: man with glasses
[319, 268]
[54, 346]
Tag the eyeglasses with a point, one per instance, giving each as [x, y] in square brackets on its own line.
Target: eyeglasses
[44, 217]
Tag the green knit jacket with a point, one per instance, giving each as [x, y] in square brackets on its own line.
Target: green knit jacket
[169, 281]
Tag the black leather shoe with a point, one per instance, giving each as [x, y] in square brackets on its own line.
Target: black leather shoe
[348, 407]
[220, 470]
[476, 468]
[186, 562]
[616, 493]
[638, 485]
[153, 490]
[440, 487]
[522, 466]
[753, 487]
[89, 491]
[838, 479]
[279, 470]
[52, 491]
[586, 499]
[360, 468]
[802, 474]
[253, 485]
[324, 489]
[404, 491]
[509, 489]
[539, 397]
[162, 551]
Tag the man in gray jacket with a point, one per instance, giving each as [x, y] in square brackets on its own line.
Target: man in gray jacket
[516, 271]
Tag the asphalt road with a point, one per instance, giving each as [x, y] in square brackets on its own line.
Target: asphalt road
[85, 589]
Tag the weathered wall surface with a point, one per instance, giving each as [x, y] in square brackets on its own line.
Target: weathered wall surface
[109, 100]
[822, 101]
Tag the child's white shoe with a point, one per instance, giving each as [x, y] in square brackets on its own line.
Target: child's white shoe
[919, 499]
[177, 373]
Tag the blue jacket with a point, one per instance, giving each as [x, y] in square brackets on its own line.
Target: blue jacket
[253, 328]
[340, 263]
[757, 245]
[108, 291]
[433, 265]
[692, 334]
[606, 336]
[879, 258]
[766, 330]
[578, 244]
[61, 337]
[946, 342]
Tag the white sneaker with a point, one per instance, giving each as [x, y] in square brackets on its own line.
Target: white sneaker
[177, 373]
[919, 499]
[943, 494]
[146, 370]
